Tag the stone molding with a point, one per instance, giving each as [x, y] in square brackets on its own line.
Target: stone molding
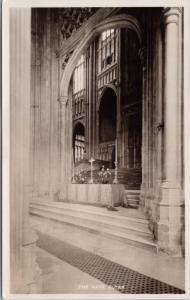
[171, 15]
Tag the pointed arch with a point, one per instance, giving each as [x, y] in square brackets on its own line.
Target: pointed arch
[118, 21]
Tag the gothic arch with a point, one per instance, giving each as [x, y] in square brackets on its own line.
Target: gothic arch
[118, 21]
[107, 114]
[108, 86]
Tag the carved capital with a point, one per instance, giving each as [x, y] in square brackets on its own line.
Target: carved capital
[171, 15]
[63, 100]
[65, 59]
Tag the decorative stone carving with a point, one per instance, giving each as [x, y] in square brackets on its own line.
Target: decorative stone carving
[63, 100]
[72, 18]
[65, 59]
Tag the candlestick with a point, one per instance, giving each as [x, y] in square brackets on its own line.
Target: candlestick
[73, 175]
[115, 177]
[116, 163]
[91, 169]
[116, 150]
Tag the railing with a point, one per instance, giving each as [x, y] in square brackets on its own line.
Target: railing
[108, 76]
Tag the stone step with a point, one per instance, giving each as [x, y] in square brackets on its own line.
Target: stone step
[131, 205]
[132, 198]
[132, 195]
[106, 219]
[132, 192]
[82, 221]
[139, 216]
[103, 225]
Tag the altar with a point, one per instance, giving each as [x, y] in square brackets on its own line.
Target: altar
[99, 194]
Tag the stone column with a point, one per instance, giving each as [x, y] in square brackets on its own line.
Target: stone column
[63, 100]
[142, 55]
[23, 267]
[118, 106]
[90, 102]
[171, 204]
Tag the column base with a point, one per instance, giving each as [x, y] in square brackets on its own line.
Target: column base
[169, 229]
[169, 242]
[31, 272]
[145, 200]
[142, 197]
[32, 281]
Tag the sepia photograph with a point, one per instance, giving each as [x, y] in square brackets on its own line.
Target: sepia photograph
[94, 161]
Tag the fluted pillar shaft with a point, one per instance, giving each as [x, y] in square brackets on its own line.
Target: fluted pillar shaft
[24, 269]
[171, 203]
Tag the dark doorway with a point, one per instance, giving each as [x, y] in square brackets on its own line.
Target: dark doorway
[108, 116]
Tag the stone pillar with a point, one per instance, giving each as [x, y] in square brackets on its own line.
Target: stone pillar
[171, 197]
[118, 106]
[63, 100]
[142, 54]
[23, 267]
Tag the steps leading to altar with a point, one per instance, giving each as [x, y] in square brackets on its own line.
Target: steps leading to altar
[127, 225]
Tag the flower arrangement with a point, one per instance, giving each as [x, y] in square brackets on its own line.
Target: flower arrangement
[105, 175]
[80, 178]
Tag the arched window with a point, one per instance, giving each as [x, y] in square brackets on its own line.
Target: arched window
[107, 49]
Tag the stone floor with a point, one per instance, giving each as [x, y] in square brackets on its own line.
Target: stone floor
[60, 277]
